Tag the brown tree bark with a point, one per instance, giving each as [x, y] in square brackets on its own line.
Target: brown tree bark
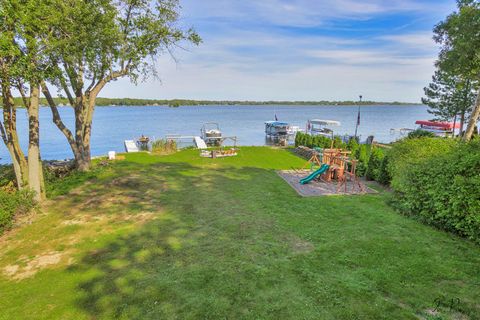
[10, 135]
[35, 170]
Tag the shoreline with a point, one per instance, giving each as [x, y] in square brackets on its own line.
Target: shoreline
[246, 105]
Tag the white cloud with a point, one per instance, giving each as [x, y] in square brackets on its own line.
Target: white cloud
[249, 54]
[303, 13]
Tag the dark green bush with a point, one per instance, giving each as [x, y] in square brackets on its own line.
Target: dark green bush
[338, 143]
[419, 133]
[7, 175]
[12, 204]
[408, 153]
[383, 174]
[444, 190]
[375, 160]
[353, 145]
[361, 154]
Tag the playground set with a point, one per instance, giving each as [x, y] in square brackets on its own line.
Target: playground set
[330, 165]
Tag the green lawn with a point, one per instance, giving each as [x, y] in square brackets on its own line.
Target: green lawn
[179, 237]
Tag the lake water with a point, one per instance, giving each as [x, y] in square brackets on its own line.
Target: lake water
[113, 125]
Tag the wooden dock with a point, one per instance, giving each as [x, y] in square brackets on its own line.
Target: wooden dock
[131, 146]
[200, 143]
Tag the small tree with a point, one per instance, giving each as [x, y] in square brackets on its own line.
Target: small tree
[20, 69]
[94, 42]
[449, 97]
[459, 37]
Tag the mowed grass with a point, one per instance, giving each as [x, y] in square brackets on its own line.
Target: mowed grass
[180, 237]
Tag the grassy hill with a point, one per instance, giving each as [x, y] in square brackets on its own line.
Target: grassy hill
[183, 237]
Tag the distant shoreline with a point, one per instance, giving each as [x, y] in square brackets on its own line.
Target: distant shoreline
[130, 102]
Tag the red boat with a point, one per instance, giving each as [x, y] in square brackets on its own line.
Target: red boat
[438, 127]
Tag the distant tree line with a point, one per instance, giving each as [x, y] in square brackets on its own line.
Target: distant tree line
[185, 102]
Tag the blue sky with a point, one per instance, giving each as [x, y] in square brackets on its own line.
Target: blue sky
[300, 50]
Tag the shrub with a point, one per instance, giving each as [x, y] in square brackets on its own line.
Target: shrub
[353, 145]
[338, 143]
[375, 160]
[297, 139]
[419, 133]
[408, 153]
[383, 174]
[8, 180]
[444, 190]
[361, 154]
[164, 146]
[12, 204]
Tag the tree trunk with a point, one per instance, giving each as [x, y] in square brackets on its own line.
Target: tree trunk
[462, 123]
[10, 137]
[454, 125]
[35, 172]
[473, 119]
[80, 142]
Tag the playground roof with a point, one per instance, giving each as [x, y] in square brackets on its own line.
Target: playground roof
[438, 124]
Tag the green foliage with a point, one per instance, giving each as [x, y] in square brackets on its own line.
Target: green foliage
[7, 175]
[460, 44]
[448, 96]
[444, 190]
[374, 167]
[362, 155]
[307, 140]
[164, 146]
[419, 133]
[384, 176]
[408, 153]
[14, 203]
[353, 146]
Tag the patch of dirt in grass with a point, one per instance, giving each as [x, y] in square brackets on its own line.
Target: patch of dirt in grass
[29, 267]
[298, 245]
[435, 314]
[71, 220]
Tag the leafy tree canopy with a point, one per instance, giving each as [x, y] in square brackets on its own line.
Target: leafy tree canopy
[459, 36]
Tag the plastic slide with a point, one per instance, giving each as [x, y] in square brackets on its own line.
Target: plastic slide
[315, 174]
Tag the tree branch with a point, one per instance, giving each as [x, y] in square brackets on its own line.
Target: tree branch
[63, 83]
[94, 79]
[112, 76]
[71, 76]
[22, 93]
[56, 117]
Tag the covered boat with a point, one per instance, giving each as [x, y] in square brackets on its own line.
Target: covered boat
[210, 133]
[439, 128]
[321, 127]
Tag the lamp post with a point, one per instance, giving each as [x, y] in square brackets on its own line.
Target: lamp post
[358, 116]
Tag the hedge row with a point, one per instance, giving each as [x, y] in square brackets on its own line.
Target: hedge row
[438, 182]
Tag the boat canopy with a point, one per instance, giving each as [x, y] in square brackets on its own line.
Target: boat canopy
[325, 122]
[438, 124]
[276, 123]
